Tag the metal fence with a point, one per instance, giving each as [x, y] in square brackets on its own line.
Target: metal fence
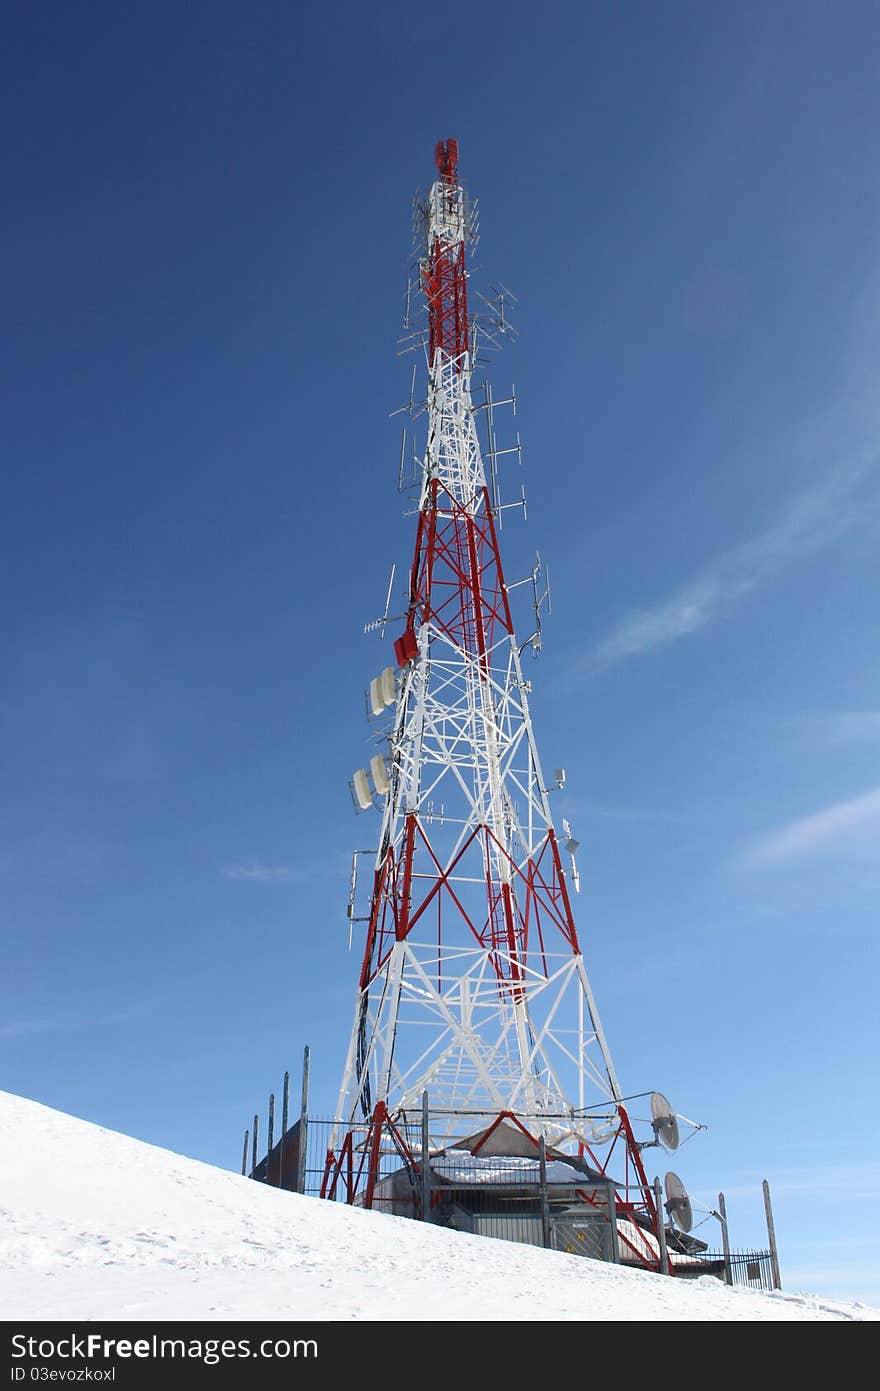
[751, 1269]
[532, 1200]
[548, 1200]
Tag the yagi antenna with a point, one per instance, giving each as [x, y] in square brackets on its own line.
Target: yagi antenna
[375, 623]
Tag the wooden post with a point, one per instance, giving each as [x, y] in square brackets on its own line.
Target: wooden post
[285, 1103]
[426, 1161]
[303, 1125]
[545, 1204]
[271, 1129]
[725, 1239]
[661, 1229]
[247, 1136]
[771, 1233]
[256, 1127]
[285, 1106]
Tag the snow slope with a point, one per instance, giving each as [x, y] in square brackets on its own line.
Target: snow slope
[96, 1225]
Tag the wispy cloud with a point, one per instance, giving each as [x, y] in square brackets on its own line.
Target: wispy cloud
[852, 826]
[594, 810]
[26, 1028]
[859, 1179]
[30, 1028]
[852, 726]
[817, 518]
[266, 874]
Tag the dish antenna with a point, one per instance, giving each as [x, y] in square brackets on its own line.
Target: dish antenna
[664, 1121]
[678, 1204]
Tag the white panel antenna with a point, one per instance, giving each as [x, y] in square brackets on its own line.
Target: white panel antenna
[381, 780]
[361, 792]
[389, 686]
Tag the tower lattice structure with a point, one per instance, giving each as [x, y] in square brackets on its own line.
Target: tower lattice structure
[473, 986]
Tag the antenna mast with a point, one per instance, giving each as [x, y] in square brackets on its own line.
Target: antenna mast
[473, 985]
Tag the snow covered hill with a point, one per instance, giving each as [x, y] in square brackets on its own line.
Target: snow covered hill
[96, 1225]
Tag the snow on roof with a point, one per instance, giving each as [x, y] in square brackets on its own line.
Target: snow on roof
[460, 1166]
[636, 1242]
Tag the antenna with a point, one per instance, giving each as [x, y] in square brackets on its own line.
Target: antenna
[571, 845]
[678, 1204]
[410, 405]
[379, 771]
[400, 465]
[375, 623]
[539, 599]
[493, 453]
[664, 1121]
[496, 307]
[381, 692]
[361, 793]
[352, 891]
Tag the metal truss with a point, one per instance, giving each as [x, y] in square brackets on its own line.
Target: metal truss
[473, 985]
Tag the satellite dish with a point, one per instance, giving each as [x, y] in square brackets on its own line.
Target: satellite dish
[664, 1121]
[678, 1204]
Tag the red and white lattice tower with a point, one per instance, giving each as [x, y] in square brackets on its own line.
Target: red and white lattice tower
[473, 986]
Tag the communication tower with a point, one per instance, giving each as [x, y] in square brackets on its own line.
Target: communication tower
[473, 985]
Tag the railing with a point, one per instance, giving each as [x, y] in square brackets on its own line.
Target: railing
[751, 1269]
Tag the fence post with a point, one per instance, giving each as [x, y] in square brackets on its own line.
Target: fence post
[545, 1205]
[271, 1131]
[771, 1233]
[247, 1136]
[725, 1239]
[285, 1104]
[303, 1125]
[256, 1128]
[661, 1228]
[426, 1161]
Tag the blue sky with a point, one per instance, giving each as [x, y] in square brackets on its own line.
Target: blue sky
[204, 256]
